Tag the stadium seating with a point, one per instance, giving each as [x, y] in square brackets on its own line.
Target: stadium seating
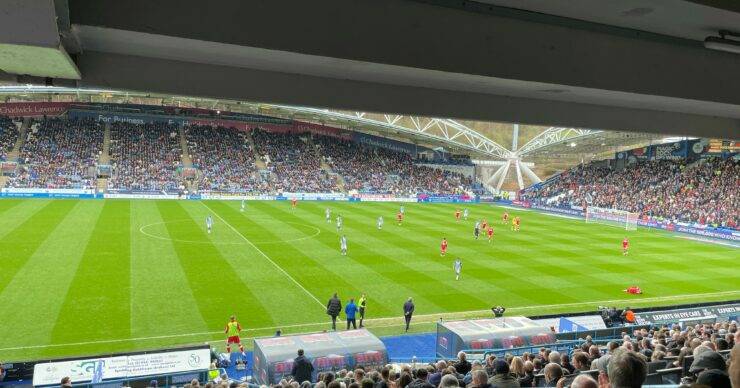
[224, 158]
[145, 158]
[59, 154]
[704, 193]
[531, 369]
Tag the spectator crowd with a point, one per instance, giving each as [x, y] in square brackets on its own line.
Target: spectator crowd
[711, 354]
[705, 192]
[224, 158]
[59, 154]
[145, 157]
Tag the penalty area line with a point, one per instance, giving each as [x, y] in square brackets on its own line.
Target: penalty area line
[391, 321]
[279, 268]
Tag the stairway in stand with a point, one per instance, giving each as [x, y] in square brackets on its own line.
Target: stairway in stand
[186, 160]
[16, 151]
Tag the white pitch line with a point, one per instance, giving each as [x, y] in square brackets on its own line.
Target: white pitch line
[386, 319]
[265, 256]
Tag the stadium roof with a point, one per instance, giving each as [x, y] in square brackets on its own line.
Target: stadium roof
[480, 140]
[625, 65]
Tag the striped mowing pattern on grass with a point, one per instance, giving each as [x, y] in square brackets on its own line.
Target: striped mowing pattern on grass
[82, 277]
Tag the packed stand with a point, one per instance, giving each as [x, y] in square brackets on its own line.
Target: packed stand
[225, 159]
[8, 136]
[378, 170]
[709, 353]
[293, 162]
[59, 154]
[705, 193]
[145, 157]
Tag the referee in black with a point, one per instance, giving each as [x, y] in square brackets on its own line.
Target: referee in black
[362, 303]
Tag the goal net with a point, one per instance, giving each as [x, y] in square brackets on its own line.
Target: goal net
[614, 217]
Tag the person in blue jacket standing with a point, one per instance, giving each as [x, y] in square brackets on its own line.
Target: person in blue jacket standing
[350, 311]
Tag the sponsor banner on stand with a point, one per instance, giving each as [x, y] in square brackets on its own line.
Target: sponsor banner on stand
[32, 109]
[674, 316]
[524, 204]
[121, 367]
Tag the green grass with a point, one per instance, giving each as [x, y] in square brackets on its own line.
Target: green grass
[85, 277]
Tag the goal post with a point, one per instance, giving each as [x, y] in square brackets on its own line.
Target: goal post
[614, 217]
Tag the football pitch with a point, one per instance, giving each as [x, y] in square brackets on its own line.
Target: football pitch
[83, 277]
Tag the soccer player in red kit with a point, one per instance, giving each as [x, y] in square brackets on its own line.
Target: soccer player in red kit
[399, 218]
[457, 215]
[517, 222]
[233, 328]
[490, 234]
[293, 203]
[505, 218]
[484, 224]
[625, 246]
[443, 247]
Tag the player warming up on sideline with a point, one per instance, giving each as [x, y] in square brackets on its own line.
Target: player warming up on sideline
[443, 247]
[505, 218]
[343, 245]
[465, 214]
[209, 223]
[380, 222]
[625, 246]
[233, 328]
[458, 268]
[476, 230]
[293, 203]
[490, 234]
[327, 214]
[399, 217]
[457, 215]
[515, 225]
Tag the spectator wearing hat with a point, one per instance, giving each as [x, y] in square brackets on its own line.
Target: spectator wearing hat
[502, 378]
[707, 360]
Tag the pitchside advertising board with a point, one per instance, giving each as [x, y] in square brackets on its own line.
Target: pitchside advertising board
[452, 198]
[11, 192]
[273, 357]
[694, 229]
[125, 367]
[721, 312]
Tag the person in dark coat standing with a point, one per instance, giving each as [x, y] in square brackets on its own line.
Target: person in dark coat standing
[408, 311]
[333, 308]
[302, 368]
